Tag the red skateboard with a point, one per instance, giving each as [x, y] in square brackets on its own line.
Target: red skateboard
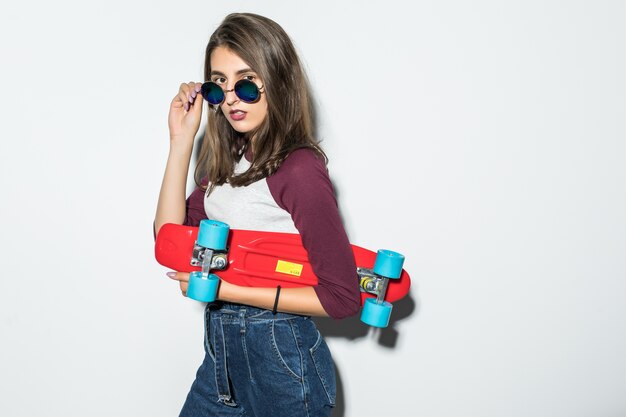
[268, 259]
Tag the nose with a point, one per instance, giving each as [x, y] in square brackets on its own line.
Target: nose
[230, 97]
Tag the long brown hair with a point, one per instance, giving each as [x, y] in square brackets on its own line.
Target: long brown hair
[266, 48]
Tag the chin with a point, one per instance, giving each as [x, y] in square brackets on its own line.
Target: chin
[240, 130]
[242, 127]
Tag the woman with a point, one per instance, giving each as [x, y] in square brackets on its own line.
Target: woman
[260, 168]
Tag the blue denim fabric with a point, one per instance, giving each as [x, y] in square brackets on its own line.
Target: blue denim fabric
[263, 365]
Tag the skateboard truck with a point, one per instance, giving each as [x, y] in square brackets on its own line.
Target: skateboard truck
[369, 282]
[218, 260]
[388, 265]
[208, 253]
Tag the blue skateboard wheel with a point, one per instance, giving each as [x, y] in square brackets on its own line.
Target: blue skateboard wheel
[202, 289]
[388, 264]
[213, 234]
[376, 315]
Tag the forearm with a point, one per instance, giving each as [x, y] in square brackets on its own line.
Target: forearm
[171, 204]
[291, 300]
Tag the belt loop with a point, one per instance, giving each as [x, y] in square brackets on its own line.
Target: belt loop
[221, 368]
[242, 321]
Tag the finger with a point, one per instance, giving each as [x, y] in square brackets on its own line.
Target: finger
[183, 95]
[191, 94]
[183, 288]
[183, 91]
[197, 104]
[176, 102]
[178, 276]
[193, 91]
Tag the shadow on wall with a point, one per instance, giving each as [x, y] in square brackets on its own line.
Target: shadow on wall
[352, 328]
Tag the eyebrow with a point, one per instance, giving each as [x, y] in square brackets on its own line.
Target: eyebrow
[241, 71]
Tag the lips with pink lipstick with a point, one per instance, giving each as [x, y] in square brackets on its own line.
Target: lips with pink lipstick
[237, 114]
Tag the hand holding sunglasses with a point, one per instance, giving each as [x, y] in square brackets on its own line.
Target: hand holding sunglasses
[246, 90]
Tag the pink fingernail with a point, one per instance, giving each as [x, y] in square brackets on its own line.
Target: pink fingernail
[193, 94]
[171, 274]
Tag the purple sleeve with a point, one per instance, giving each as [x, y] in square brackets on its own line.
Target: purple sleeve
[302, 187]
[195, 207]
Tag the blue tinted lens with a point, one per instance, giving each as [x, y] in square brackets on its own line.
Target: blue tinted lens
[247, 91]
[212, 93]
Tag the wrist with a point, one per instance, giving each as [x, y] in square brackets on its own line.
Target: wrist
[255, 296]
[180, 146]
[182, 139]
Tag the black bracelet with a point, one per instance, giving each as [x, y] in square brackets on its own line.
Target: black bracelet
[276, 300]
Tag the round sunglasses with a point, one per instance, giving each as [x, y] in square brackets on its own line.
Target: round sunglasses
[246, 90]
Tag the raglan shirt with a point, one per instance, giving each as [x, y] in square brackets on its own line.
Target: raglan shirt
[297, 198]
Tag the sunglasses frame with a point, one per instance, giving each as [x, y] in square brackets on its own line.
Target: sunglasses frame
[234, 89]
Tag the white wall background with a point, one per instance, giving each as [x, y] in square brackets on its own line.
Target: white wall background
[485, 140]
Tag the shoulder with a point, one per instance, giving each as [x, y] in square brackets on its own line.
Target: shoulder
[302, 180]
[301, 158]
[301, 164]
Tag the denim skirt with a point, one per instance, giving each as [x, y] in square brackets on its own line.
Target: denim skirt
[261, 364]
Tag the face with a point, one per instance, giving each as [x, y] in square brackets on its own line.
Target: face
[226, 69]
